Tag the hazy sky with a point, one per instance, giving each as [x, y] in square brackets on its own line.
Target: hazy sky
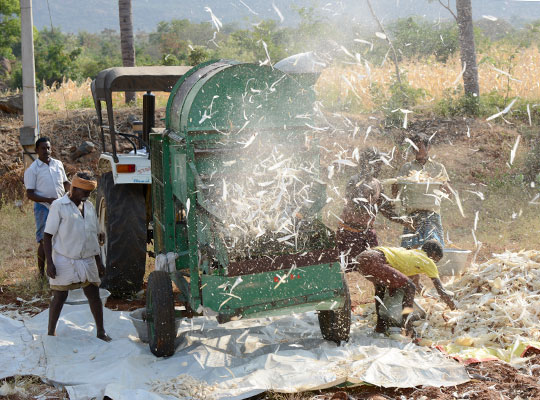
[96, 15]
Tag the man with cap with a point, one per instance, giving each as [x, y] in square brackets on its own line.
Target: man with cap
[72, 251]
[45, 181]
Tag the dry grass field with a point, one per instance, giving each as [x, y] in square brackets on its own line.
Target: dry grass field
[505, 72]
[18, 262]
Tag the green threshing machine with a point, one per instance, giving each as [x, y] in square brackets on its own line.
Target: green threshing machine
[236, 204]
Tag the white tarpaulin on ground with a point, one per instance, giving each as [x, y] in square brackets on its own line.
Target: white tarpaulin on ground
[235, 360]
[20, 354]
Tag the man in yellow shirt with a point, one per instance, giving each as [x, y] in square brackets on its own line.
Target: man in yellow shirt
[393, 267]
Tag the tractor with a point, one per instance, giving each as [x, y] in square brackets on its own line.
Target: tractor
[123, 199]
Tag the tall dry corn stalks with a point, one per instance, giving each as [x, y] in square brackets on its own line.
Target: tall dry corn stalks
[71, 94]
[353, 82]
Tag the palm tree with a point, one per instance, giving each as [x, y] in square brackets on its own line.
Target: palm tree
[126, 39]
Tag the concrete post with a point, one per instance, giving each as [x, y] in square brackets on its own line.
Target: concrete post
[28, 134]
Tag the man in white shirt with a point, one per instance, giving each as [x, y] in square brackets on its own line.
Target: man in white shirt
[45, 181]
[72, 251]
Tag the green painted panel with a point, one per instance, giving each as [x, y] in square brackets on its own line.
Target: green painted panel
[192, 223]
[248, 96]
[176, 98]
[156, 155]
[226, 96]
[167, 212]
[318, 285]
[283, 308]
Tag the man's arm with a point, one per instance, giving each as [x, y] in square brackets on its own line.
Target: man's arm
[65, 181]
[386, 208]
[445, 296]
[100, 267]
[51, 228]
[30, 193]
[446, 188]
[445, 178]
[47, 246]
[395, 190]
[403, 171]
[416, 281]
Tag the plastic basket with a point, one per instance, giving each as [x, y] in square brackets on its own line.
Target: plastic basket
[454, 262]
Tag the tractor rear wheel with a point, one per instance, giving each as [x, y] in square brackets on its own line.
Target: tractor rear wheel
[336, 324]
[122, 217]
[160, 314]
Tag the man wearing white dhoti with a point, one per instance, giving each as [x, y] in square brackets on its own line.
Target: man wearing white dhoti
[72, 251]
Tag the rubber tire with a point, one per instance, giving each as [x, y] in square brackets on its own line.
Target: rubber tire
[160, 319]
[336, 324]
[125, 233]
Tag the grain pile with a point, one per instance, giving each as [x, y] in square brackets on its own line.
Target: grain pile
[184, 387]
[498, 302]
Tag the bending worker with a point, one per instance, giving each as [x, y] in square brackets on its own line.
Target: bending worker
[72, 251]
[393, 267]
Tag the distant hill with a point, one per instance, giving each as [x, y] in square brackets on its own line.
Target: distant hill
[96, 15]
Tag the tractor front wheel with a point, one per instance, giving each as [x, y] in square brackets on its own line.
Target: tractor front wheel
[160, 314]
[336, 324]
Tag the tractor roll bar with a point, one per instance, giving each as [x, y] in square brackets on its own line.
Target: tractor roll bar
[131, 79]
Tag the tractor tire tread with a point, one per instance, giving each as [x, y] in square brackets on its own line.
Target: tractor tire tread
[335, 325]
[160, 292]
[126, 235]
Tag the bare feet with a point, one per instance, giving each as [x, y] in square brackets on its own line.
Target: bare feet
[408, 330]
[381, 327]
[103, 336]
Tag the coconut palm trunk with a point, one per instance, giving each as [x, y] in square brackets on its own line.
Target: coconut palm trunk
[126, 39]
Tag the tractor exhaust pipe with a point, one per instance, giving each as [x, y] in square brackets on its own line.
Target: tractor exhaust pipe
[149, 118]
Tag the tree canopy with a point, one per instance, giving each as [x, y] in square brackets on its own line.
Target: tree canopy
[10, 26]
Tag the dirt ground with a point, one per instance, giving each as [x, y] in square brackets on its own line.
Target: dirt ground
[67, 131]
[472, 151]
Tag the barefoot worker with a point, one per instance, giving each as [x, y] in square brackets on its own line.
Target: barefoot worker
[45, 181]
[393, 267]
[72, 251]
